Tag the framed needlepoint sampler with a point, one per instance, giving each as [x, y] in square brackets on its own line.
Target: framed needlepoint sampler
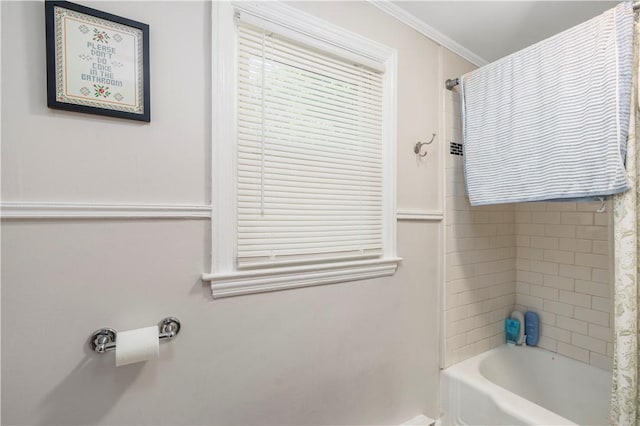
[97, 63]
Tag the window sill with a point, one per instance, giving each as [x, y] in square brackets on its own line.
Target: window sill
[260, 281]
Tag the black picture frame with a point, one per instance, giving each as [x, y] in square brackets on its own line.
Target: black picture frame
[111, 35]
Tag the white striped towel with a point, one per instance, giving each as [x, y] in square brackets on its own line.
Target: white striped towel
[550, 122]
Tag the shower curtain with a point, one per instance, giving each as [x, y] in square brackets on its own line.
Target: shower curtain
[625, 395]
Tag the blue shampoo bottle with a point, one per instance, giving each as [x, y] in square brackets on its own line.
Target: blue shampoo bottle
[532, 328]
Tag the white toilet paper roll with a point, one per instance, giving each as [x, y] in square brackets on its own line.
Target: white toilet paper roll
[136, 345]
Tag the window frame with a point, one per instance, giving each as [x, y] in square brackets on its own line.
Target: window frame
[225, 279]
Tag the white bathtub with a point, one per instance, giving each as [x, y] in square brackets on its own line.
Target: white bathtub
[512, 385]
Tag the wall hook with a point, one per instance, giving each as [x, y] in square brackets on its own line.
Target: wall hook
[419, 144]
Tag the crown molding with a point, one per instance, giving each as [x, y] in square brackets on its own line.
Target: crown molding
[43, 210]
[427, 30]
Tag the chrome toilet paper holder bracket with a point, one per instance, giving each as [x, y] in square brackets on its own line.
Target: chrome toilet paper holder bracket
[104, 340]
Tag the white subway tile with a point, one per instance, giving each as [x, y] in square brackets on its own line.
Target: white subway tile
[474, 309]
[502, 241]
[530, 229]
[572, 324]
[592, 232]
[562, 283]
[456, 342]
[522, 288]
[463, 353]
[555, 333]
[456, 258]
[547, 317]
[561, 207]
[479, 217]
[456, 314]
[589, 315]
[522, 240]
[562, 231]
[457, 286]
[547, 343]
[501, 289]
[499, 217]
[464, 325]
[591, 206]
[571, 271]
[523, 217]
[558, 308]
[532, 206]
[545, 217]
[497, 340]
[593, 260]
[481, 243]
[490, 305]
[509, 213]
[529, 253]
[481, 320]
[559, 256]
[576, 299]
[522, 264]
[534, 303]
[601, 247]
[601, 303]
[577, 218]
[544, 242]
[543, 267]
[601, 276]
[589, 343]
[600, 332]
[602, 219]
[601, 361]
[451, 301]
[529, 277]
[497, 316]
[573, 244]
[482, 346]
[592, 288]
[573, 352]
[451, 329]
[543, 292]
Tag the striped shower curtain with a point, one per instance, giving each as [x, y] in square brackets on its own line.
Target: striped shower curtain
[625, 395]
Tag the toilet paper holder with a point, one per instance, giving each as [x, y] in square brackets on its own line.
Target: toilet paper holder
[104, 340]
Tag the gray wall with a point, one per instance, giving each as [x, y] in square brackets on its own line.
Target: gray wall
[351, 353]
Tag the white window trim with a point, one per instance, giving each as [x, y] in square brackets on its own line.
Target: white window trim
[225, 279]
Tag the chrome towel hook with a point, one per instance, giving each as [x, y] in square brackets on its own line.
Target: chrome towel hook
[419, 144]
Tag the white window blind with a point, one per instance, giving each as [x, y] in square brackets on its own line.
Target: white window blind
[309, 154]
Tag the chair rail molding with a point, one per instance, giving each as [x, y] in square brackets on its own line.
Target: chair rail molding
[58, 210]
[421, 215]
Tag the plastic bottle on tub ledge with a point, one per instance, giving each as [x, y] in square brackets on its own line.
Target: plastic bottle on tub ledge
[512, 330]
[517, 315]
[532, 328]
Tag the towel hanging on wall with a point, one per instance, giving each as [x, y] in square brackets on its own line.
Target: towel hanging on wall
[550, 122]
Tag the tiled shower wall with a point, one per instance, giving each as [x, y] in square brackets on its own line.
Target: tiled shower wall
[563, 273]
[480, 259]
[552, 258]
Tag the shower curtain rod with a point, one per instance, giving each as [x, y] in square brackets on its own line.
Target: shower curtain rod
[453, 82]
